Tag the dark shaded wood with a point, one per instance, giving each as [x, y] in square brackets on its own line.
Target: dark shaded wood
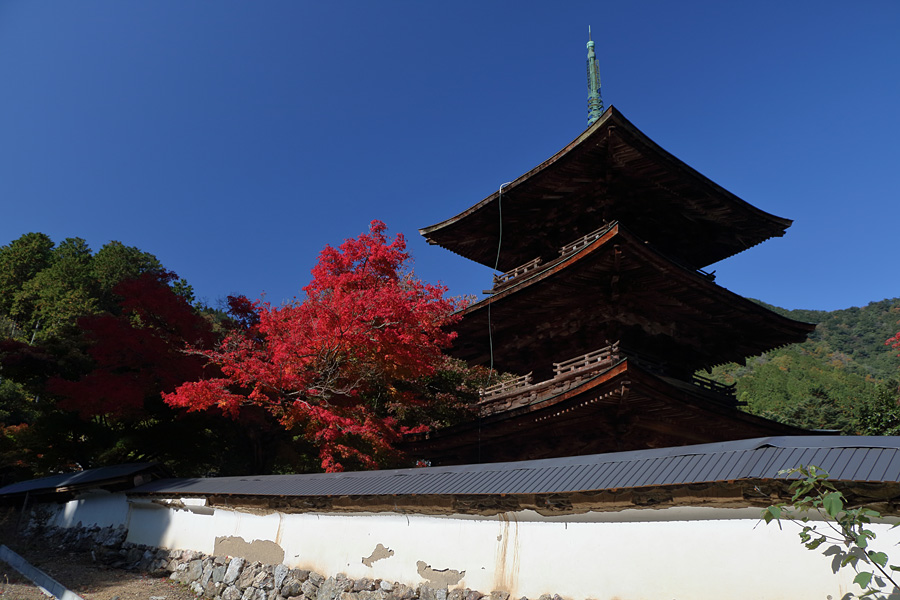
[610, 172]
[619, 288]
[625, 407]
[603, 306]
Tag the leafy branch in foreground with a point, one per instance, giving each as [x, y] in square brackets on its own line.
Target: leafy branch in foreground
[844, 529]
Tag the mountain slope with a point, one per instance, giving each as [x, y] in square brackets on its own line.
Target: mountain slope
[842, 378]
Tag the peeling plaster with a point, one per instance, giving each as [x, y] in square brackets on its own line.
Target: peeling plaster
[439, 578]
[264, 551]
[379, 553]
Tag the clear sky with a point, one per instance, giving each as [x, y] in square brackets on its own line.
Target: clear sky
[234, 139]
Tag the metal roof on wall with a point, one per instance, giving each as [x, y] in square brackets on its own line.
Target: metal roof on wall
[848, 458]
[80, 479]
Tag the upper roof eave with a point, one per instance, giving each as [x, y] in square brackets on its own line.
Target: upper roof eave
[607, 115]
[442, 233]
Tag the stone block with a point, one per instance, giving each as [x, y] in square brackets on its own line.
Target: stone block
[214, 589]
[290, 587]
[252, 593]
[329, 589]
[218, 573]
[194, 571]
[279, 573]
[264, 579]
[403, 592]
[231, 593]
[309, 589]
[235, 566]
[247, 576]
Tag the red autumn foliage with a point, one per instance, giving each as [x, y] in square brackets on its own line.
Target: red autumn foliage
[894, 342]
[136, 353]
[335, 365]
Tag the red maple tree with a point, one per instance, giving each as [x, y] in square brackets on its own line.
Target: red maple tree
[336, 366]
[137, 352]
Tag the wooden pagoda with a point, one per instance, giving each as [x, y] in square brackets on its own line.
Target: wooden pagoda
[603, 312]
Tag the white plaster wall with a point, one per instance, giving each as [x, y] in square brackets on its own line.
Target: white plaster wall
[698, 554]
[92, 508]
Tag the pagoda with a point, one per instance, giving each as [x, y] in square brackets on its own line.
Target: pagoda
[603, 314]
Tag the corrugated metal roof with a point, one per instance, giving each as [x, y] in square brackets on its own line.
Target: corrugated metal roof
[848, 458]
[88, 478]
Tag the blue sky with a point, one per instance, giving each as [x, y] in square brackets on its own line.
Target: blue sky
[234, 140]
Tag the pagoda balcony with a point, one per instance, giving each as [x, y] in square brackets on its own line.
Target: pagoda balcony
[585, 240]
[506, 279]
[500, 281]
[503, 281]
[569, 374]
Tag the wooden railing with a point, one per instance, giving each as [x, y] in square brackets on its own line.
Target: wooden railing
[531, 265]
[603, 357]
[505, 387]
[584, 241]
[570, 372]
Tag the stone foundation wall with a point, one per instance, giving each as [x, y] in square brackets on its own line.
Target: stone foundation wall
[234, 578]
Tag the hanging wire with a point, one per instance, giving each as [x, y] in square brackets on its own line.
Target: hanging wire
[496, 268]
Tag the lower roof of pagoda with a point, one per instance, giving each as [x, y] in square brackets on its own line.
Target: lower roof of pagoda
[624, 407]
[612, 171]
[617, 288]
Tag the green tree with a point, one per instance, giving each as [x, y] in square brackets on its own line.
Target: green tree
[880, 413]
[20, 261]
[66, 317]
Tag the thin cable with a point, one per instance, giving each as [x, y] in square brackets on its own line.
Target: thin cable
[490, 332]
[496, 268]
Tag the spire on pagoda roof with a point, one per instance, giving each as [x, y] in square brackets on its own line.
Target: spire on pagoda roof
[595, 102]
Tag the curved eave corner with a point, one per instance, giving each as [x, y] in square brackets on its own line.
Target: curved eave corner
[427, 232]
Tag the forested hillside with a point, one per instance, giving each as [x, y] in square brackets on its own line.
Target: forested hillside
[88, 342]
[843, 378]
[105, 358]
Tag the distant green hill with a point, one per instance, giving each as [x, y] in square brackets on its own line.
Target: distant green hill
[843, 377]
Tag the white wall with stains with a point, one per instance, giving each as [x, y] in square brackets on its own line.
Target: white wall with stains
[658, 554]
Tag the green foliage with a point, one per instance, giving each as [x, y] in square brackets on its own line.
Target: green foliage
[845, 530]
[20, 261]
[116, 262]
[45, 289]
[880, 413]
[839, 379]
[51, 299]
[853, 338]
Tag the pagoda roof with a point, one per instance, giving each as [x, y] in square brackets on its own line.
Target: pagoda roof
[618, 288]
[625, 407]
[612, 171]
